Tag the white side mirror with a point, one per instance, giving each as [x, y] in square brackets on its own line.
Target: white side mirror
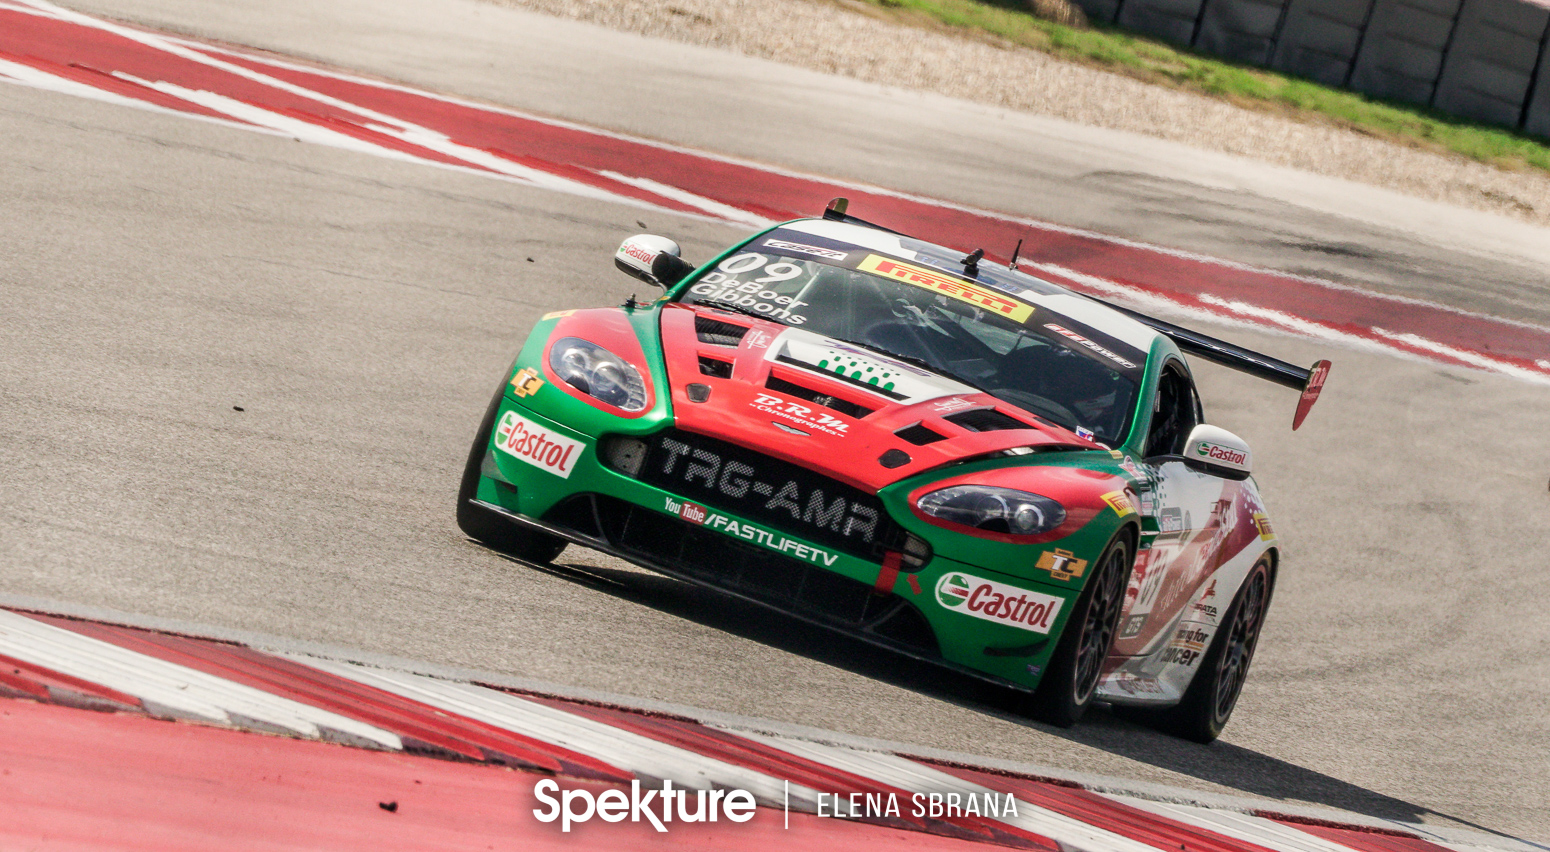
[654, 260]
[1218, 452]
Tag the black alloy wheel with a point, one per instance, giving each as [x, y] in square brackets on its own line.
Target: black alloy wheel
[1214, 692]
[1072, 676]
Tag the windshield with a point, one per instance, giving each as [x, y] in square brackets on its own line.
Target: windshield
[1024, 353]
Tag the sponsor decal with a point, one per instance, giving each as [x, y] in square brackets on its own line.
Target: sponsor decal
[758, 339]
[1119, 502]
[1086, 434]
[1148, 504]
[1128, 465]
[630, 249]
[738, 485]
[1217, 452]
[1132, 685]
[998, 602]
[1262, 523]
[1061, 564]
[1116, 454]
[1133, 625]
[526, 382]
[951, 404]
[1080, 340]
[1171, 521]
[948, 286]
[801, 415]
[694, 513]
[816, 251]
[1034, 670]
[542, 448]
[750, 532]
[557, 314]
[1187, 646]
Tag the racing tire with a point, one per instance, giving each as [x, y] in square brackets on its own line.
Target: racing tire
[1213, 693]
[1071, 677]
[487, 527]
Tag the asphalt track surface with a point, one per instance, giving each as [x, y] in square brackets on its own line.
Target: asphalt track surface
[159, 271]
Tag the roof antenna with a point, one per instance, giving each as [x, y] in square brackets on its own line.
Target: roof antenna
[1015, 252]
[971, 264]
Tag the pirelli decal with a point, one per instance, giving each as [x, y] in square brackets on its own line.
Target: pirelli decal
[948, 286]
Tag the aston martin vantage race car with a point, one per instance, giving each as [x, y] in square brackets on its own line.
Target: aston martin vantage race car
[906, 443]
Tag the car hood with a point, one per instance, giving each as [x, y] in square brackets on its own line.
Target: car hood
[835, 408]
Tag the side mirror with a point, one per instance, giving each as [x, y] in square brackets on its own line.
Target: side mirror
[1218, 452]
[652, 259]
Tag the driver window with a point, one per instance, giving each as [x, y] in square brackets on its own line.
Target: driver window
[1175, 412]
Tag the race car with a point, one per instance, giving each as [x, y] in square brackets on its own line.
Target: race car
[912, 445]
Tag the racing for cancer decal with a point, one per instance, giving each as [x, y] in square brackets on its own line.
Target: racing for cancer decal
[935, 281]
[997, 602]
[522, 439]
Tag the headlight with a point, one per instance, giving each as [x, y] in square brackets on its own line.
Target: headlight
[598, 373]
[992, 509]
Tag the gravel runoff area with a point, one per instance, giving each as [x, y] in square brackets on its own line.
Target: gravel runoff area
[845, 37]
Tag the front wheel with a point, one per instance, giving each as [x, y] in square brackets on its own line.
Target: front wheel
[1071, 679]
[485, 526]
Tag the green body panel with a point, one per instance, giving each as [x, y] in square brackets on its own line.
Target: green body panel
[531, 491]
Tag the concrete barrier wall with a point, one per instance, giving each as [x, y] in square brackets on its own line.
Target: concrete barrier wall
[1484, 60]
[1241, 30]
[1491, 64]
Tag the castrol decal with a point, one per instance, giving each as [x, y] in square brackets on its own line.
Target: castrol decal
[998, 602]
[522, 439]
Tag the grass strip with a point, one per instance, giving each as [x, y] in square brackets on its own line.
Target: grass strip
[1156, 62]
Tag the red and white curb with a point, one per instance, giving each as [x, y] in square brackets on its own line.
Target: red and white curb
[140, 672]
[47, 46]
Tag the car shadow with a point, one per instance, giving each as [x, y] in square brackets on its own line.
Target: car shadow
[1221, 763]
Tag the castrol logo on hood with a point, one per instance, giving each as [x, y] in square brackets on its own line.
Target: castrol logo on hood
[997, 602]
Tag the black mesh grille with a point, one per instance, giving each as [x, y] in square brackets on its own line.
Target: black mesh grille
[919, 435]
[986, 420]
[779, 385]
[717, 560]
[786, 497]
[717, 332]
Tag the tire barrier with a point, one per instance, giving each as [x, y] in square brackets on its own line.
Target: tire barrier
[1481, 60]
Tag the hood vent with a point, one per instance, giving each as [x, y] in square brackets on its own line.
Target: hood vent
[919, 435]
[986, 420]
[843, 406]
[718, 333]
[715, 367]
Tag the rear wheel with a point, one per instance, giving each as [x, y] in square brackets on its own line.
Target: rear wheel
[488, 527]
[1212, 695]
[1071, 679]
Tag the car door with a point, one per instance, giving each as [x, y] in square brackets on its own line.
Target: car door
[1192, 512]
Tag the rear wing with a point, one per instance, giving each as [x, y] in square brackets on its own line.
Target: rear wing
[1310, 380]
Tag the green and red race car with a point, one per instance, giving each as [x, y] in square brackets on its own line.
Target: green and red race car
[909, 444]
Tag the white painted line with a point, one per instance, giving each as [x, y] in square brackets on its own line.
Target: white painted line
[1474, 358]
[385, 124]
[699, 202]
[180, 689]
[916, 777]
[627, 750]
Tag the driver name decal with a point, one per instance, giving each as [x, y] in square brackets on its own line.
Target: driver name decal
[947, 286]
[997, 602]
